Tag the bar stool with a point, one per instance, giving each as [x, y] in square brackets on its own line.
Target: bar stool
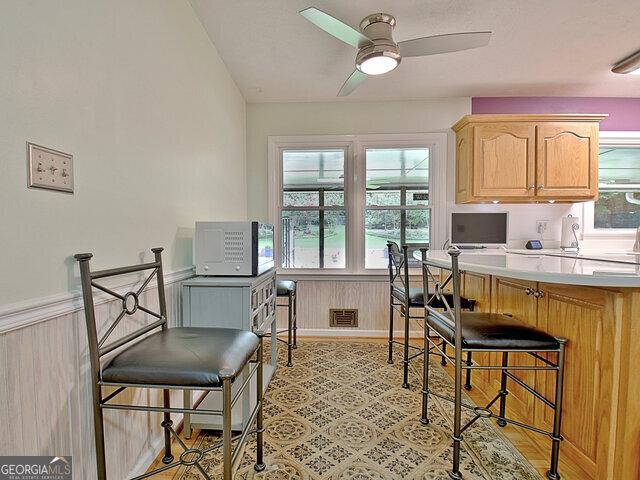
[157, 357]
[403, 303]
[487, 332]
[287, 289]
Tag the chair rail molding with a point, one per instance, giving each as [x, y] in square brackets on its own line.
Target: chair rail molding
[31, 312]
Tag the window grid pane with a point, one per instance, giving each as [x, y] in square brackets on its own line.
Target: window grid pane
[618, 205]
[313, 237]
[396, 178]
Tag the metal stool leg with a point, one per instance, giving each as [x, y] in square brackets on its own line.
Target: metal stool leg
[553, 474]
[467, 383]
[98, 424]
[226, 429]
[289, 331]
[503, 390]
[455, 473]
[424, 419]
[167, 423]
[405, 361]
[390, 358]
[295, 320]
[259, 466]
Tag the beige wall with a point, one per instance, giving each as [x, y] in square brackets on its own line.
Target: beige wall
[138, 94]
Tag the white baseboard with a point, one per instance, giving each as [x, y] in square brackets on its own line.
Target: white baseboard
[353, 332]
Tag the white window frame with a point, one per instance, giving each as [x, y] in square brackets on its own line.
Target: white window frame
[609, 139]
[355, 178]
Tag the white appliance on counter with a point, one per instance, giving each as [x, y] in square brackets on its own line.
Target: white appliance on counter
[569, 237]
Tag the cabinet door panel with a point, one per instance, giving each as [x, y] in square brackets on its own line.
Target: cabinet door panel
[586, 318]
[567, 160]
[478, 287]
[510, 296]
[503, 160]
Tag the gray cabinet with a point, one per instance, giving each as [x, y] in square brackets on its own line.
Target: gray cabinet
[248, 303]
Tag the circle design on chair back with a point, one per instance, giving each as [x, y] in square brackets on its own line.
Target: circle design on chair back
[191, 456]
[127, 305]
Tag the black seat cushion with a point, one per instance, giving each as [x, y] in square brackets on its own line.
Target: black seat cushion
[283, 287]
[185, 356]
[416, 298]
[494, 331]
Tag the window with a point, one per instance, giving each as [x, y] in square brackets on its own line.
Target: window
[618, 205]
[617, 210]
[313, 209]
[397, 200]
[337, 200]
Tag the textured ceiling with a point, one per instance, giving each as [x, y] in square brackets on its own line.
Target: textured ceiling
[542, 47]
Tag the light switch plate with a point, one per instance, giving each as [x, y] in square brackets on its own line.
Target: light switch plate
[49, 168]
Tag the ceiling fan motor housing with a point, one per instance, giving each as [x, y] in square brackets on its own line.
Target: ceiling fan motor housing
[379, 28]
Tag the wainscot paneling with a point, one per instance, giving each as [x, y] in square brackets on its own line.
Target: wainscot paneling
[45, 389]
[370, 297]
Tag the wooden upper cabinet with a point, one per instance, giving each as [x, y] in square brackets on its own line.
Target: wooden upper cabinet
[526, 158]
[567, 158]
[504, 160]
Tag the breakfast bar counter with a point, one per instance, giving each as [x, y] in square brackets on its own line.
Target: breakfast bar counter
[591, 268]
[593, 300]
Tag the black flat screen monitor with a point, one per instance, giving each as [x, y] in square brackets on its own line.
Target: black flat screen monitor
[474, 228]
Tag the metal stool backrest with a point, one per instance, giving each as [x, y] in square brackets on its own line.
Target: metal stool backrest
[451, 313]
[97, 347]
[398, 266]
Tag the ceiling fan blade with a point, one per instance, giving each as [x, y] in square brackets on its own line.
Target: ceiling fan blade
[355, 79]
[451, 42]
[335, 27]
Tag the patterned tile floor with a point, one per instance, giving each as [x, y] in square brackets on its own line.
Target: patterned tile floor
[340, 413]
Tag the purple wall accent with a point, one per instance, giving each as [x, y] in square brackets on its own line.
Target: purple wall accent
[624, 113]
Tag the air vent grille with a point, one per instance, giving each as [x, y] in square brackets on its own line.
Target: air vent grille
[233, 247]
[343, 317]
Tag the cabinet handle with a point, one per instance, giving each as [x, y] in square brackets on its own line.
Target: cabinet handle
[541, 187]
[538, 294]
[531, 187]
[529, 291]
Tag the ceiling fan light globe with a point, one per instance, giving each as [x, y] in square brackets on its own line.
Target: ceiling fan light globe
[377, 65]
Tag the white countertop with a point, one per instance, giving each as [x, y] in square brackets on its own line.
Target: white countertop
[587, 268]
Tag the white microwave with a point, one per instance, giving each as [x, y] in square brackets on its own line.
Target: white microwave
[233, 248]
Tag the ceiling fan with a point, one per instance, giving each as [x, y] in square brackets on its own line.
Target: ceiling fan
[378, 53]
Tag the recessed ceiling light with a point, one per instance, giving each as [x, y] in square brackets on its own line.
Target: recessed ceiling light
[628, 65]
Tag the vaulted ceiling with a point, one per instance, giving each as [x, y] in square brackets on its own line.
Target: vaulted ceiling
[542, 47]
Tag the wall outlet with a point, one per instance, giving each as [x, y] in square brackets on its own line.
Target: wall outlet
[542, 226]
[49, 168]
